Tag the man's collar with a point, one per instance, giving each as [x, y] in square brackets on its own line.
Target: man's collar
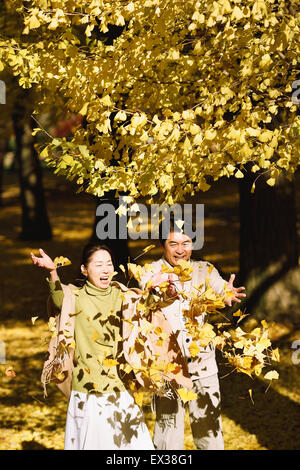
[169, 265]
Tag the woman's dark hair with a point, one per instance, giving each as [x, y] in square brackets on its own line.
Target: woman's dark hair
[87, 253]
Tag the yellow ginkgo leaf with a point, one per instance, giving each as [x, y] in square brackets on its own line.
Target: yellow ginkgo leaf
[126, 367]
[238, 313]
[174, 368]
[34, 23]
[112, 275]
[271, 375]
[122, 268]
[179, 223]
[95, 336]
[138, 397]
[148, 268]
[194, 349]
[276, 355]
[72, 345]
[60, 376]
[51, 323]
[148, 248]
[135, 271]
[67, 334]
[61, 261]
[34, 319]
[110, 362]
[186, 395]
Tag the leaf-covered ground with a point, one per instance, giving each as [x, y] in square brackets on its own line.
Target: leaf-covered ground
[28, 421]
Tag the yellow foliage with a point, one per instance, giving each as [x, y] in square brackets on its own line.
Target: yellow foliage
[174, 123]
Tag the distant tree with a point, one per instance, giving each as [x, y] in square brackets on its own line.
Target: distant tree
[35, 221]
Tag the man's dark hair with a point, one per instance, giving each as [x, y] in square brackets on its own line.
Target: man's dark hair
[168, 226]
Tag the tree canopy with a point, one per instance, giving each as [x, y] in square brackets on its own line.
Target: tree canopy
[175, 94]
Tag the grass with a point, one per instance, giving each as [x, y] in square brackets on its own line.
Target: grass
[28, 420]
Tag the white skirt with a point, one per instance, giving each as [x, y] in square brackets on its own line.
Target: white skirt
[112, 421]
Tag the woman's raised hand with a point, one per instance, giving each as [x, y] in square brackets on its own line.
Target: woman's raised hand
[44, 261]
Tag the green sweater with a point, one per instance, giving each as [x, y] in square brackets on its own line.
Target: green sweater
[97, 336]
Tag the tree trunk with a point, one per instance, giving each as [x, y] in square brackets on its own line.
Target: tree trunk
[268, 244]
[35, 222]
[117, 245]
[3, 149]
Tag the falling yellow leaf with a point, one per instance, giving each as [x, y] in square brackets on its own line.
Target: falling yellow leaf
[148, 267]
[67, 334]
[148, 248]
[138, 397]
[174, 368]
[60, 376]
[271, 375]
[241, 316]
[179, 223]
[61, 261]
[194, 349]
[238, 313]
[112, 275]
[95, 336]
[72, 345]
[276, 355]
[135, 271]
[206, 334]
[34, 319]
[110, 362]
[186, 395]
[250, 393]
[51, 323]
[126, 367]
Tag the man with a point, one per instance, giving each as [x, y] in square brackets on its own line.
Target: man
[204, 412]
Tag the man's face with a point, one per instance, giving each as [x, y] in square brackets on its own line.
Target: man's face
[177, 246]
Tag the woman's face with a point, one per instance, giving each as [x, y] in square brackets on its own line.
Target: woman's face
[99, 268]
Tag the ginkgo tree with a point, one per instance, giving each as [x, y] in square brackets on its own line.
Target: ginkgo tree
[174, 94]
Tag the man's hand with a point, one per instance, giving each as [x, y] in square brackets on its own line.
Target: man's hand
[159, 278]
[235, 290]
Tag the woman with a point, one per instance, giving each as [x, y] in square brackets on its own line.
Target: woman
[102, 413]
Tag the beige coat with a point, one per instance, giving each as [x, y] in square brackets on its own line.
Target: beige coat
[60, 357]
[204, 363]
